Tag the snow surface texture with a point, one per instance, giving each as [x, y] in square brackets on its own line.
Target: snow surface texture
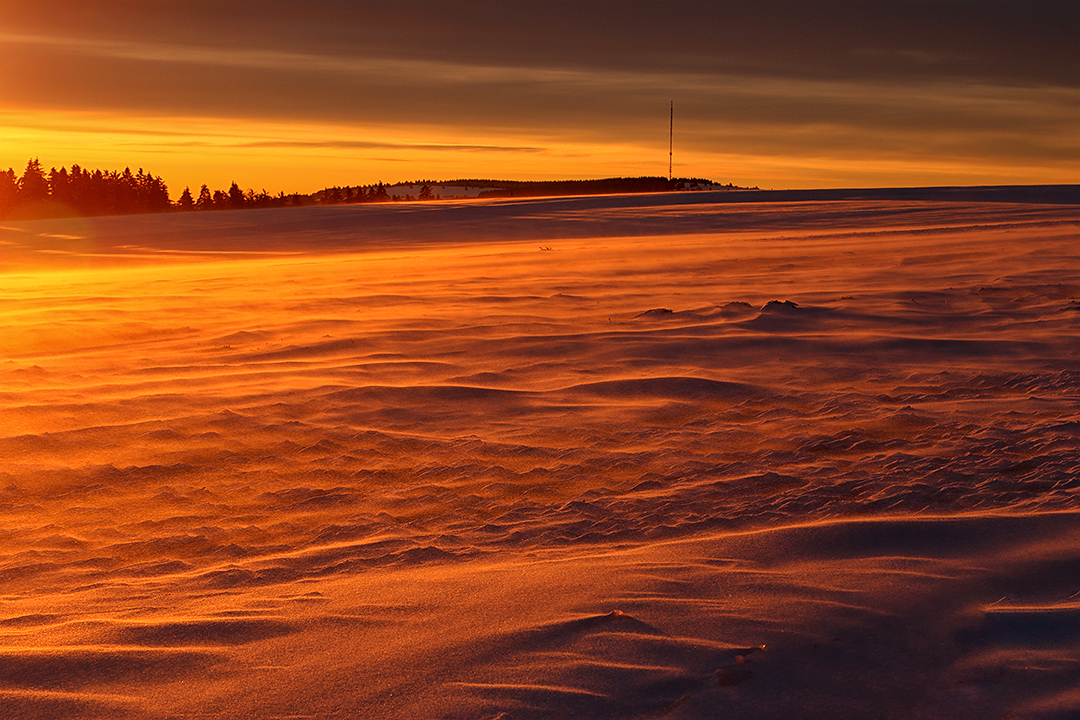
[550, 458]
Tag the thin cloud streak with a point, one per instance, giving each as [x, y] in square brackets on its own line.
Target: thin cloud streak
[362, 145]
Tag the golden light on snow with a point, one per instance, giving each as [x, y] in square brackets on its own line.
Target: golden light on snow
[400, 461]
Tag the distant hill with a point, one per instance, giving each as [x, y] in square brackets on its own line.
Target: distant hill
[604, 186]
[487, 188]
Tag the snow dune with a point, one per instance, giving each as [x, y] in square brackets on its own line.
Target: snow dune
[697, 459]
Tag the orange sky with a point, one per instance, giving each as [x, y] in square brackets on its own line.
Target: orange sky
[294, 96]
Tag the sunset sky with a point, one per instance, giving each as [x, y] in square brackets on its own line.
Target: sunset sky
[294, 96]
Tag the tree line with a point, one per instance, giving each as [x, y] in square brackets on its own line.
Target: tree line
[78, 191]
[38, 193]
[601, 186]
[236, 199]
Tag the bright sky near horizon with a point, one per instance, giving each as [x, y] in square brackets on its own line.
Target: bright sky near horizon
[295, 96]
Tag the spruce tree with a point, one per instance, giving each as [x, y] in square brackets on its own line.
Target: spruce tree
[9, 189]
[236, 196]
[33, 187]
[205, 201]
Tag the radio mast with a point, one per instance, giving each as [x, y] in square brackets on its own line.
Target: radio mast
[671, 139]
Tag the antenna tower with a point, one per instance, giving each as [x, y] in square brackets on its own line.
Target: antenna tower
[671, 139]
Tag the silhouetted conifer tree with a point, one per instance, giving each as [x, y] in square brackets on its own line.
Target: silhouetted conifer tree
[152, 194]
[186, 202]
[33, 187]
[125, 192]
[97, 195]
[205, 201]
[236, 197]
[60, 187]
[9, 188]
